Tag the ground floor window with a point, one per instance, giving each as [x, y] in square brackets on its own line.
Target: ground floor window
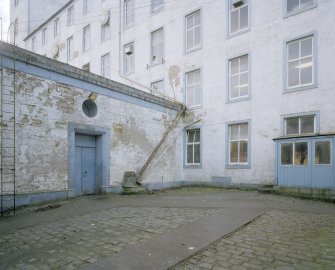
[193, 147]
[294, 153]
[238, 143]
[322, 152]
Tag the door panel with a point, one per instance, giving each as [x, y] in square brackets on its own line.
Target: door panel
[88, 170]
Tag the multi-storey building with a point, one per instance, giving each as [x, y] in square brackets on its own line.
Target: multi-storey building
[249, 71]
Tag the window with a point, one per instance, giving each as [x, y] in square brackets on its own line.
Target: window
[105, 66]
[16, 2]
[129, 58]
[69, 48]
[86, 67]
[193, 147]
[70, 16]
[239, 77]
[86, 38]
[56, 27]
[193, 88]
[157, 46]
[193, 31]
[33, 44]
[44, 36]
[128, 13]
[300, 63]
[16, 27]
[322, 153]
[300, 125]
[157, 87]
[87, 5]
[238, 16]
[156, 5]
[105, 29]
[296, 6]
[238, 143]
[294, 153]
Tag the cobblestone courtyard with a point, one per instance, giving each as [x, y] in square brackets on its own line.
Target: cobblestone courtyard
[287, 234]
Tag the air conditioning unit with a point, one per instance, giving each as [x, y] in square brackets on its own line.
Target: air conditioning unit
[129, 50]
[105, 17]
[238, 3]
[55, 51]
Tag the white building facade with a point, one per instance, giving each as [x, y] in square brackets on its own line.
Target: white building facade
[248, 71]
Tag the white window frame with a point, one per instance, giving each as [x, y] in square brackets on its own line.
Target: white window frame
[230, 11]
[105, 28]
[293, 153]
[193, 29]
[33, 44]
[69, 52]
[155, 8]
[129, 14]
[106, 65]
[287, 61]
[56, 27]
[154, 91]
[300, 117]
[230, 75]
[193, 143]
[330, 152]
[299, 10]
[87, 38]
[87, 6]
[238, 140]
[44, 36]
[70, 16]
[187, 86]
[132, 59]
[160, 58]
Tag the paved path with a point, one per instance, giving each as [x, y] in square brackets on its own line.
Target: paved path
[172, 229]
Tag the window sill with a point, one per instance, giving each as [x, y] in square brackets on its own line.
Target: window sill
[238, 166]
[193, 49]
[195, 107]
[195, 166]
[156, 64]
[300, 88]
[286, 15]
[231, 35]
[238, 99]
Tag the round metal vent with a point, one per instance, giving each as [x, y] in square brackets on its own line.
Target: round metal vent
[89, 107]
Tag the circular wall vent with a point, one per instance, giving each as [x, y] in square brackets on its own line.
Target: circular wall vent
[89, 107]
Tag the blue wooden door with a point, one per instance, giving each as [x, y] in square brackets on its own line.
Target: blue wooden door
[85, 164]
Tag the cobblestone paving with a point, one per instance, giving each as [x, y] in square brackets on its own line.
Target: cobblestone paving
[275, 240]
[80, 240]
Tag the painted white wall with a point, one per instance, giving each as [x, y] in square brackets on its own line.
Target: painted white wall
[264, 42]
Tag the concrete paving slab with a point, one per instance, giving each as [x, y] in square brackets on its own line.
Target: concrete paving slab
[164, 251]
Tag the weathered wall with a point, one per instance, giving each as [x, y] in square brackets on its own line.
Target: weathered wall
[45, 108]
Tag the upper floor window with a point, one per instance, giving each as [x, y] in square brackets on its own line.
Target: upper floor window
[16, 2]
[70, 16]
[156, 5]
[105, 28]
[238, 16]
[70, 48]
[16, 27]
[300, 63]
[238, 143]
[56, 27]
[129, 58]
[86, 38]
[193, 147]
[105, 66]
[158, 86]
[193, 88]
[239, 77]
[296, 6]
[193, 31]
[44, 36]
[157, 46]
[298, 125]
[87, 6]
[128, 13]
[33, 44]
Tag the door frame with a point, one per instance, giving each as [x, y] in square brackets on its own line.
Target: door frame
[102, 155]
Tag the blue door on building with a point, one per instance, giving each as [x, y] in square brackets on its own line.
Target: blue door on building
[306, 161]
[85, 182]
